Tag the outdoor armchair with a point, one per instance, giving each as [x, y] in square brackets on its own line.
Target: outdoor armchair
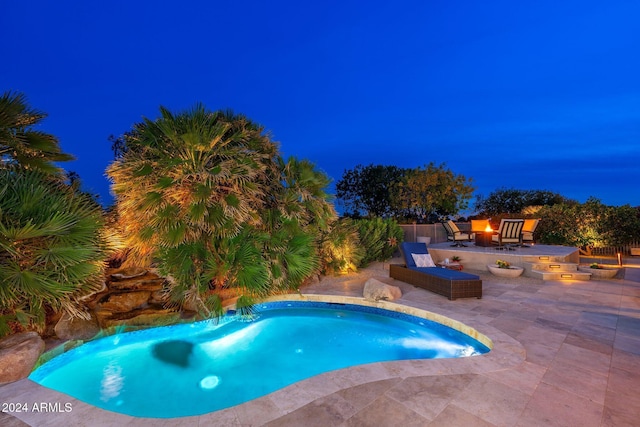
[455, 235]
[509, 233]
[528, 229]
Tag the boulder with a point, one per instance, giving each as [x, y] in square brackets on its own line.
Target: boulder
[128, 273]
[376, 290]
[158, 297]
[76, 328]
[146, 317]
[18, 355]
[93, 296]
[124, 302]
[147, 282]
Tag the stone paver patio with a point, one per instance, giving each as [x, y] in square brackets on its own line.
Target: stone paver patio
[566, 354]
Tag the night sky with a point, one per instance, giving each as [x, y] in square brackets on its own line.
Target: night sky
[540, 95]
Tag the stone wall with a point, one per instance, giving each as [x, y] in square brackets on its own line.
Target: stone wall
[132, 297]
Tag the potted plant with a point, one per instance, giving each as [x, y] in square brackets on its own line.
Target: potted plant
[599, 271]
[456, 258]
[504, 269]
[502, 264]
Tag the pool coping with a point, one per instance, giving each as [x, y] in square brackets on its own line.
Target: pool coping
[505, 353]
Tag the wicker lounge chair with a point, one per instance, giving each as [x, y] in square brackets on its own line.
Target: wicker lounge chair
[452, 284]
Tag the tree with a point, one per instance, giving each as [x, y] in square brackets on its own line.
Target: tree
[589, 225]
[432, 192]
[367, 190]
[621, 225]
[20, 143]
[505, 201]
[52, 246]
[206, 195]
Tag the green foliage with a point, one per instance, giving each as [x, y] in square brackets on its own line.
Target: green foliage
[340, 248]
[432, 192]
[502, 264]
[379, 238]
[421, 194]
[620, 225]
[52, 248]
[367, 190]
[506, 201]
[207, 197]
[20, 143]
[588, 225]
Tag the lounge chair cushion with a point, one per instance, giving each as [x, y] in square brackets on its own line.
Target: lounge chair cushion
[423, 260]
[445, 273]
[408, 248]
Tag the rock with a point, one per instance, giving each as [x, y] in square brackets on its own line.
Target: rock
[90, 301]
[146, 317]
[376, 290]
[124, 302]
[128, 273]
[91, 296]
[158, 297]
[18, 355]
[147, 282]
[76, 328]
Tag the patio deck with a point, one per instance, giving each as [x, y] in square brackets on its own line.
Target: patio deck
[478, 257]
[565, 354]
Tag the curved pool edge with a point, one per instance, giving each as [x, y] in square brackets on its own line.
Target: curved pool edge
[387, 305]
[505, 353]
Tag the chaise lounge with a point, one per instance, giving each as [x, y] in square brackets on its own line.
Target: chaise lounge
[452, 284]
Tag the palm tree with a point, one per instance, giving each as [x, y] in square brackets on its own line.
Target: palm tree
[52, 249]
[206, 197]
[20, 143]
[202, 194]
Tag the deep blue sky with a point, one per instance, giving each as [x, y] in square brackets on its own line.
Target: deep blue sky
[529, 95]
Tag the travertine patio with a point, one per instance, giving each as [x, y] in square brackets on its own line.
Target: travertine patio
[566, 354]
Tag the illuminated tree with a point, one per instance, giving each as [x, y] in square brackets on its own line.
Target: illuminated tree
[504, 201]
[432, 192]
[207, 196]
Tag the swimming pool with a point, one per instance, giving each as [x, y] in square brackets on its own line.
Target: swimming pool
[202, 367]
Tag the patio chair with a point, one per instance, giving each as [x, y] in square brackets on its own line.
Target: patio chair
[455, 235]
[528, 229]
[509, 233]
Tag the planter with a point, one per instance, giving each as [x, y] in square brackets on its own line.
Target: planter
[425, 240]
[505, 272]
[599, 273]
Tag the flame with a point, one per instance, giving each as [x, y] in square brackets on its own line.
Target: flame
[488, 228]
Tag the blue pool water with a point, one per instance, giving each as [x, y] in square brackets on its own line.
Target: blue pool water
[202, 367]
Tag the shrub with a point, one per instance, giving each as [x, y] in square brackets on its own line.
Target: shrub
[379, 238]
[52, 246]
[340, 248]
